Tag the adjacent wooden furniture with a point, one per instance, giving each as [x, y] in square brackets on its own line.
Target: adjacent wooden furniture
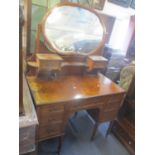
[27, 123]
[124, 126]
[21, 22]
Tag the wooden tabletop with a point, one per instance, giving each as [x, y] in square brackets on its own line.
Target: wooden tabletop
[69, 88]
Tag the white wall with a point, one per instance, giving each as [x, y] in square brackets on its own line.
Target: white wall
[118, 34]
[122, 18]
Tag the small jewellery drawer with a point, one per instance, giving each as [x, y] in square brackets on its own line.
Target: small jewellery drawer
[49, 130]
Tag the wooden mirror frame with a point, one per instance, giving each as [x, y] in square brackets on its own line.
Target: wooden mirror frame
[41, 29]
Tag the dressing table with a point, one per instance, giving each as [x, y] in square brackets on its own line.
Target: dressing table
[65, 78]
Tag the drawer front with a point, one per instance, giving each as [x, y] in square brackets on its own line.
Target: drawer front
[116, 98]
[114, 102]
[47, 111]
[50, 109]
[100, 64]
[49, 65]
[50, 114]
[112, 106]
[46, 119]
[49, 130]
[86, 104]
[109, 102]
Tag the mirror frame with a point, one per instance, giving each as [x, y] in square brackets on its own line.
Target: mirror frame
[96, 51]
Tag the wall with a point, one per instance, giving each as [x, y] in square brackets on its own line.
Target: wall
[39, 8]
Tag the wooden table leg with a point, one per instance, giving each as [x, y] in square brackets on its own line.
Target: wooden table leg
[72, 125]
[61, 138]
[94, 131]
[109, 129]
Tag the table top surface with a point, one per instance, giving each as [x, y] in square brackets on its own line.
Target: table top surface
[70, 88]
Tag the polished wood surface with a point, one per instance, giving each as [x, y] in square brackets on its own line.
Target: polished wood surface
[58, 99]
[65, 65]
[71, 88]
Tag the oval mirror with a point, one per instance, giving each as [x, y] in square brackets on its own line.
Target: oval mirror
[71, 29]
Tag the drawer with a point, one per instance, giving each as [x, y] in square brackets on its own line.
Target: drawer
[85, 104]
[48, 110]
[116, 98]
[114, 102]
[112, 106]
[46, 119]
[49, 130]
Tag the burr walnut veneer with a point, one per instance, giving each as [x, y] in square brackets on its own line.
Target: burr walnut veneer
[57, 99]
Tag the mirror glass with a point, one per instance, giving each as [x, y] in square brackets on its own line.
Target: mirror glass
[71, 30]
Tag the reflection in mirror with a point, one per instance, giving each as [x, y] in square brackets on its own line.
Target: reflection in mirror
[72, 30]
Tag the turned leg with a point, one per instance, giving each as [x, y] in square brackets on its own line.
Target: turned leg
[94, 131]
